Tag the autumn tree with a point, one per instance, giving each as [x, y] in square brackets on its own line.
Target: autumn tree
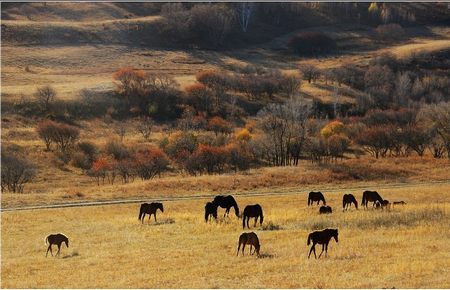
[144, 127]
[219, 125]
[150, 162]
[45, 96]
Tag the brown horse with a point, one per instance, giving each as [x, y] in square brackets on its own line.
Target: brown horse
[316, 196]
[372, 196]
[252, 240]
[325, 209]
[323, 238]
[56, 239]
[226, 202]
[385, 204]
[255, 211]
[347, 201]
[150, 209]
[210, 210]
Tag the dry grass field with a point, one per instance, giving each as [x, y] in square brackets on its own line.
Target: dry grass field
[406, 247]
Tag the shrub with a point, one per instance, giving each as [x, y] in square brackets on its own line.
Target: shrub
[206, 158]
[117, 149]
[390, 32]
[332, 128]
[64, 136]
[102, 168]
[45, 96]
[219, 125]
[16, 172]
[180, 142]
[201, 97]
[150, 162]
[311, 43]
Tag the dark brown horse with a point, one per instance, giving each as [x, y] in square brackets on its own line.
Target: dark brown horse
[227, 202]
[385, 204]
[372, 196]
[316, 196]
[323, 238]
[150, 209]
[325, 209]
[347, 201]
[210, 210]
[250, 239]
[255, 211]
[56, 239]
[401, 202]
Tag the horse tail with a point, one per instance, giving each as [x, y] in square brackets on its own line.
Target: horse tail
[46, 240]
[243, 221]
[363, 202]
[309, 239]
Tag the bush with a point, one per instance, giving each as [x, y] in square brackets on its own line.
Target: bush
[207, 159]
[16, 172]
[118, 150]
[219, 125]
[311, 43]
[150, 162]
[390, 32]
[64, 136]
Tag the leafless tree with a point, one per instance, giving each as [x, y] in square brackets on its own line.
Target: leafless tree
[45, 96]
[244, 12]
[437, 116]
[16, 172]
[144, 127]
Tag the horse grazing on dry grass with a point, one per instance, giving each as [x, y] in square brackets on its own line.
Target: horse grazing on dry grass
[316, 196]
[325, 209]
[385, 204]
[252, 240]
[255, 211]
[56, 239]
[210, 210]
[323, 238]
[401, 202]
[347, 201]
[372, 196]
[150, 209]
[227, 202]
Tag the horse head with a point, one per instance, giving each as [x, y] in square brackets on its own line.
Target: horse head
[161, 207]
[335, 234]
[67, 242]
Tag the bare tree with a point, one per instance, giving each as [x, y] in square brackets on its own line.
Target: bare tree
[244, 12]
[290, 84]
[402, 89]
[437, 116]
[144, 127]
[16, 172]
[121, 131]
[45, 96]
[310, 73]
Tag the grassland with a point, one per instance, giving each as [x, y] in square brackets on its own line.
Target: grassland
[406, 247]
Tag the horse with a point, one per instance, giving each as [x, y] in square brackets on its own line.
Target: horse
[401, 202]
[377, 204]
[210, 210]
[255, 211]
[150, 209]
[325, 209]
[385, 204]
[347, 201]
[372, 196]
[252, 240]
[316, 196]
[56, 239]
[322, 238]
[226, 202]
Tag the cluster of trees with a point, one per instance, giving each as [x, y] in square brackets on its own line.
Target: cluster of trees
[311, 43]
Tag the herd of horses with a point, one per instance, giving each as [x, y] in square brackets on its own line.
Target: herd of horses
[255, 211]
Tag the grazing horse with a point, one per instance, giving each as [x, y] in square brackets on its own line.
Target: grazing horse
[226, 202]
[150, 209]
[322, 238]
[372, 196]
[385, 204]
[325, 209]
[252, 240]
[56, 239]
[210, 210]
[255, 211]
[401, 202]
[316, 196]
[347, 201]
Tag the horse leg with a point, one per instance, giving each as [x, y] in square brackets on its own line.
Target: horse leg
[248, 219]
[310, 251]
[155, 216]
[256, 219]
[323, 248]
[59, 250]
[251, 249]
[326, 250]
[239, 246]
[49, 249]
[243, 248]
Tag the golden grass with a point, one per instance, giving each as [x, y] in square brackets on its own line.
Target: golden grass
[406, 247]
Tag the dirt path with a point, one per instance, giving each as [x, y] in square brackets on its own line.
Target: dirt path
[210, 196]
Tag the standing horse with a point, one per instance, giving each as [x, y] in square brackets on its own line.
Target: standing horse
[56, 239]
[210, 210]
[325, 209]
[255, 211]
[316, 196]
[252, 240]
[347, 201]
[323, 238]
[372, 196]
[226, 202]
[150, 209]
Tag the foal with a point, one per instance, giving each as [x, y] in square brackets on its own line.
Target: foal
[325, 209]
[56, 239]
[252, 240]
[322, 238]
